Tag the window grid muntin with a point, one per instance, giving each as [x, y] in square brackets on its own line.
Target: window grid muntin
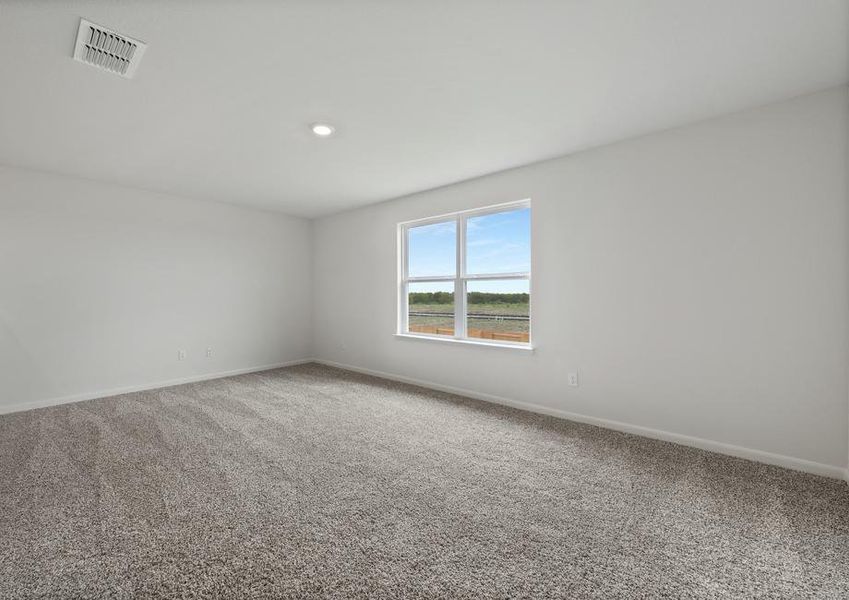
[461, 278]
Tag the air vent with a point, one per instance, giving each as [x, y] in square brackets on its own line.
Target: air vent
[107, 50]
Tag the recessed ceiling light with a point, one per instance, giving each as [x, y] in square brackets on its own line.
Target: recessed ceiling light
[323, 129]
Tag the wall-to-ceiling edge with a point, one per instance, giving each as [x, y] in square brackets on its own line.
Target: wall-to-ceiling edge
[697, 278]
[766, 191]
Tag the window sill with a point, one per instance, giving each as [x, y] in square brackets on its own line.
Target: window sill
[448, 340]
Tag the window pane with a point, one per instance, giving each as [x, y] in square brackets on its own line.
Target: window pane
[499, 242]
[499, 310]
[432, 249]
[431, 308]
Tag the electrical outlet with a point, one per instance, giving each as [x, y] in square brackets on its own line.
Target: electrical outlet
[573, 379]
[181, 355]
[209, 352]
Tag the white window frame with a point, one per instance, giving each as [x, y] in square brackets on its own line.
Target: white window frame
[460, 277]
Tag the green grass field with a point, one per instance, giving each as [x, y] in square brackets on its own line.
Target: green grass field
[515, 309]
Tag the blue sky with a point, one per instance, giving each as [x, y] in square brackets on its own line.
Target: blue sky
[496, 243]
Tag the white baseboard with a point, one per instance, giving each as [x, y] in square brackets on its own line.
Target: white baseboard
[142, 387]
[789, 462]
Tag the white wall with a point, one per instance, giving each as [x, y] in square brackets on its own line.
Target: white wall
[101, 285]
[696, 278]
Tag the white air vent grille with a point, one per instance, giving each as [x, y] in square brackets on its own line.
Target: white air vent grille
[107, 50]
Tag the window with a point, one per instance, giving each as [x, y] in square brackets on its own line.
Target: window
[467, 275]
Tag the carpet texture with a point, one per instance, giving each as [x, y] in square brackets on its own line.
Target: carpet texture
[312, 482]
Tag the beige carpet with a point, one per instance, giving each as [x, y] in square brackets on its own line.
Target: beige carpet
[311, 482]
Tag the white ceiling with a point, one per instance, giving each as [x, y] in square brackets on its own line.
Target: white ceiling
[422, 92]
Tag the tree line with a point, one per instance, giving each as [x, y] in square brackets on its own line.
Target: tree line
[474, 298]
